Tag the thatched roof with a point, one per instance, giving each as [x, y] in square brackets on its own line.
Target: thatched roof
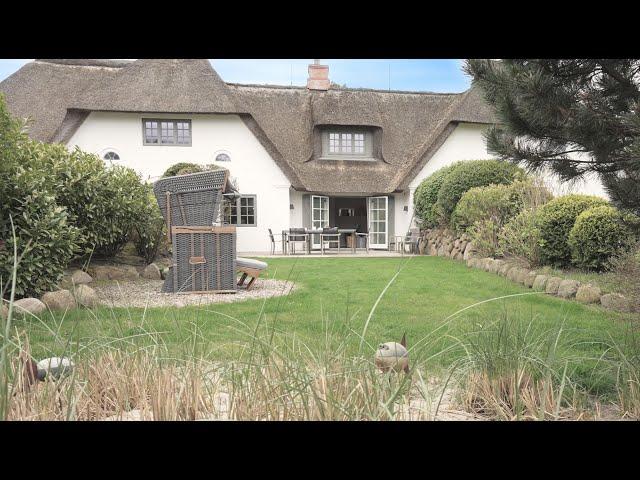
[164, 85]
[58, 94]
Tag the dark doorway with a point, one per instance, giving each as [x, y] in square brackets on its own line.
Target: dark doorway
[348, 212]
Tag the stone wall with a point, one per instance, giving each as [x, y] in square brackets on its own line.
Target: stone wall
[443, 242]
[446, 243]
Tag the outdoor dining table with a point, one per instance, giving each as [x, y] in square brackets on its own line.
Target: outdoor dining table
[311, 231]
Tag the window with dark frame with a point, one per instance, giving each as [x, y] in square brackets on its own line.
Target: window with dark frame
[111, 156]
[241, 211]
[166, 132]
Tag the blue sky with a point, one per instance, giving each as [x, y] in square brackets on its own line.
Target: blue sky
[416, 75]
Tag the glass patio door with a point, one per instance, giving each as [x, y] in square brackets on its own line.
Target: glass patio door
[378, 223]
[319, 217]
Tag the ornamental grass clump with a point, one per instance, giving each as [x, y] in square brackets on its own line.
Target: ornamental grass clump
[625, 364]
[513, 370]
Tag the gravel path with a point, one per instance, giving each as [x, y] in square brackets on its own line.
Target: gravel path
[142, 293]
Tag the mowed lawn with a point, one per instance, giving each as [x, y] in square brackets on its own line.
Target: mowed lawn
[336, 295]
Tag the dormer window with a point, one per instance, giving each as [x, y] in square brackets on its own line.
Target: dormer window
[347, 143]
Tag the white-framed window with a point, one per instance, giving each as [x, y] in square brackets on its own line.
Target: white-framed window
[346, 142]
[241, 211]
[166, 132]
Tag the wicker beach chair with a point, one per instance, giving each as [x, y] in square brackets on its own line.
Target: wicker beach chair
[204, 255]
[194, 199]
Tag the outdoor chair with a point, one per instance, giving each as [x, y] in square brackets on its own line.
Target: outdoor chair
[273, 242]
[396, 242]
[411, 240]
[249, 268]
[362, 237]
[297, 235]
[328, 236]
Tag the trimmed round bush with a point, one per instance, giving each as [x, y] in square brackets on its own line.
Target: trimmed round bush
[184, 168]
[598, 234]
[469, 174]
[555, 221]
[426, 195]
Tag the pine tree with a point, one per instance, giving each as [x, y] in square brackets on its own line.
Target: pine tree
[572, 116]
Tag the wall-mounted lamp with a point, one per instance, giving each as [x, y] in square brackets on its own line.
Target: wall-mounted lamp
[291, 206]
[406, 208]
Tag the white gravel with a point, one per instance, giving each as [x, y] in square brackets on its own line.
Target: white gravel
[146, 293]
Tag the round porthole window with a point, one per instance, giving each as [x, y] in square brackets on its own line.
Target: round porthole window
[223, 157]
[112, 156]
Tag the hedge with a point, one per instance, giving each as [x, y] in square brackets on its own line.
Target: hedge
[469, 174]
[426, 195]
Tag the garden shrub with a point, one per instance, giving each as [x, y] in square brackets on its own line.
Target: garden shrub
[102, 201]
[598, 234]
[150, 229]
[426, 195]
[496, 202]
[469, 174]
[121, 199]
[45, 239]
[484, 235]
[184, 168]
[520, 237]
[555, 221]
[483, 211]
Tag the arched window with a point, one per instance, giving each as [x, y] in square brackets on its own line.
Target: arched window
[112, 156]
[223, 157]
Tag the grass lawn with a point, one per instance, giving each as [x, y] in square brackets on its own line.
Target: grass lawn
[339, 293]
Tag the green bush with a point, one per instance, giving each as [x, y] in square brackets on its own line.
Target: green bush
[597, 235]
[102, 201]
[150, 229]
[426, 195]
[45, 239]
[184, 168]
[484, 235]
[496, 202]
[475, 173]
[483, 211]
[555, 221]
[520, 237]
[121, 200]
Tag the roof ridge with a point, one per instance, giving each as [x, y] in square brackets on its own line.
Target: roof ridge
[343, 89]
[85, 62]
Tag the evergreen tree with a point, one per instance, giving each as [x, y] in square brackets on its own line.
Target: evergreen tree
[572, 116]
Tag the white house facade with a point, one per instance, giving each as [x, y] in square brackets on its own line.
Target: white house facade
[300, 157]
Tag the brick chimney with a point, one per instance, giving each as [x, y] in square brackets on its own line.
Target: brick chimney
[318, 76]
